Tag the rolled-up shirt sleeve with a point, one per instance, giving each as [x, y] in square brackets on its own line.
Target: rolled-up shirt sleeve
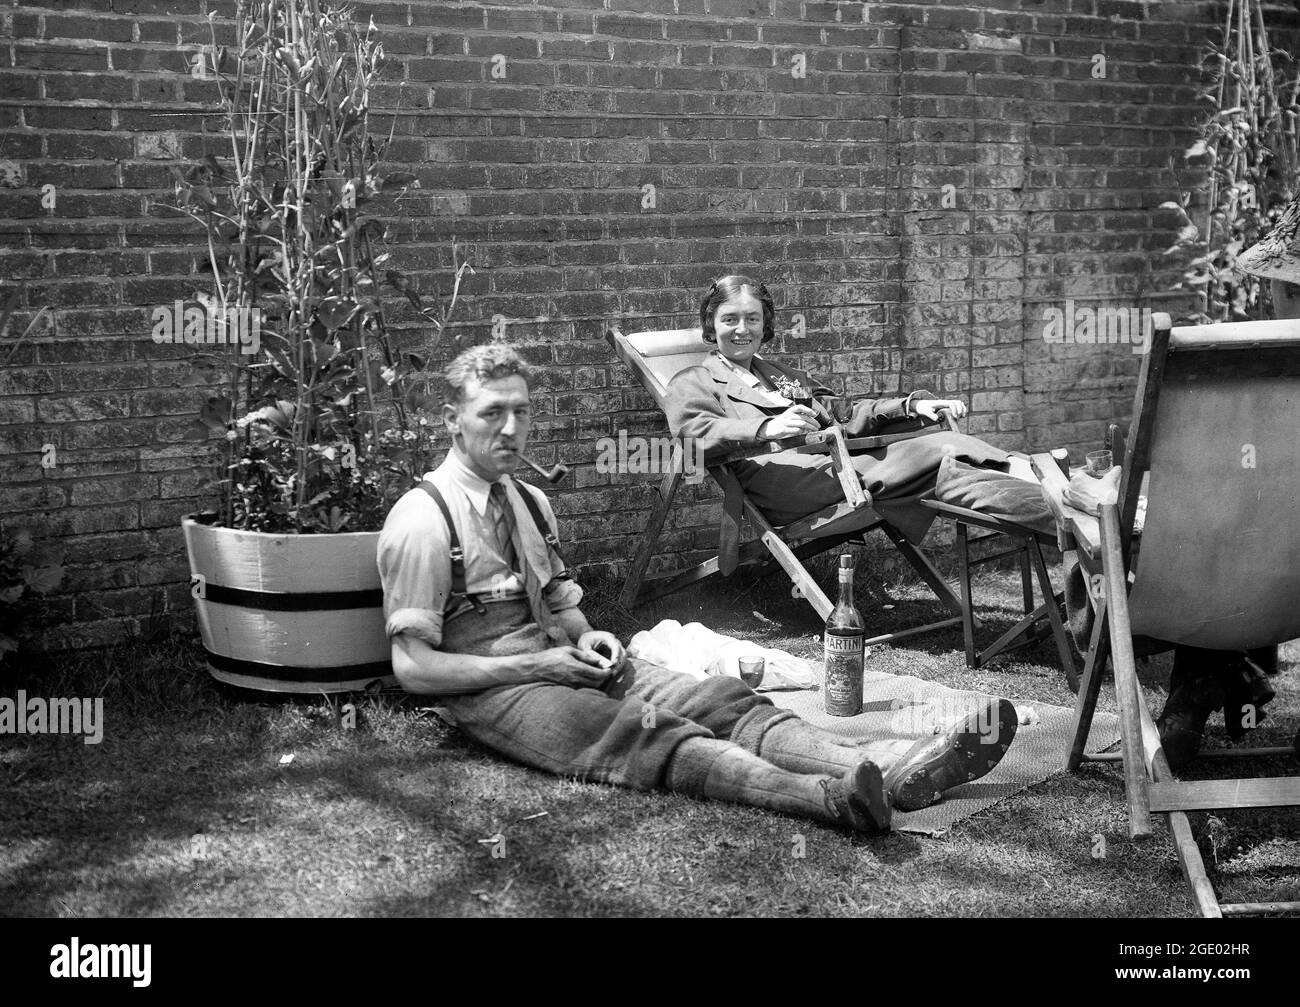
[563, 594]
[415, 569]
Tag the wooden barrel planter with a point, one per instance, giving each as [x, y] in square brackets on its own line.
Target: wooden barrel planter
[289, 613]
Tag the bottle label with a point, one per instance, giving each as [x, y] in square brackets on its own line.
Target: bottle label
[843, 644]
[843, 679]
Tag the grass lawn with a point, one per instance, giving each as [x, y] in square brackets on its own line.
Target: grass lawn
[188, 806]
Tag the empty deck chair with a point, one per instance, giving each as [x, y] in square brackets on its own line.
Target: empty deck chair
[1217, 564]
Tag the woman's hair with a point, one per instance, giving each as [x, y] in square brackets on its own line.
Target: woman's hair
[727, 287]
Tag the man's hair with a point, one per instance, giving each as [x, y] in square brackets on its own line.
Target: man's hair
[483, 363]
[721, 291]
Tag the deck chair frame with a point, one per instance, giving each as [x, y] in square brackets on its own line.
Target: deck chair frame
[1105, 548]
[786, 546]
[1040, 621]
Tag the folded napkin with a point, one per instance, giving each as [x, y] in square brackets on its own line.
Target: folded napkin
[696, 650]
[1087, 493]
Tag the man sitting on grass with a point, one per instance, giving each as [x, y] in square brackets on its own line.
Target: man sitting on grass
[482, 613]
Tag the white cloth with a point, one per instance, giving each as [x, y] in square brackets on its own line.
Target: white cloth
[696, 650]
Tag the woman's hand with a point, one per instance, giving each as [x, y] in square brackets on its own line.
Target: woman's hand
[931, 408]
[794, 421]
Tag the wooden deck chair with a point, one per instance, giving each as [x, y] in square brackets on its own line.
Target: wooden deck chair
[1217, 564]
[1026, 544]
[655, 357]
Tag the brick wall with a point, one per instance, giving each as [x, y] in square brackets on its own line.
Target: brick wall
[937, 178]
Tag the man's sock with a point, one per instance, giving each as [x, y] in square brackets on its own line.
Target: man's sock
[723, 771]
[801, 748]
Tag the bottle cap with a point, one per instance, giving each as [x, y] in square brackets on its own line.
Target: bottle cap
[846, 562]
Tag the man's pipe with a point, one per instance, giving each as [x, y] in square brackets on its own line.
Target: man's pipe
[552, 475]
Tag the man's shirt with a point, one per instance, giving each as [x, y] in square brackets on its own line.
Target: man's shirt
[415, 553]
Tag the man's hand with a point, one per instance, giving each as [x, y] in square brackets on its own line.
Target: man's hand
[606, 646]
[931, 408]
[572, 666]
[794, 421]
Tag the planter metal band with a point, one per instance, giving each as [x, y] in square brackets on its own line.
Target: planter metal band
[291, 673]
[278, 601]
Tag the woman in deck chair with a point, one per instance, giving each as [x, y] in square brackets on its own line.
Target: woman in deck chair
[738, 399]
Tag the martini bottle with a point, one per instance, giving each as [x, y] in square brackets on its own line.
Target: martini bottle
[844, 650]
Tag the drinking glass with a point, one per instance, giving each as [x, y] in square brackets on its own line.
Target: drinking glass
[1099, 463]
[751, 670]
[841, 408]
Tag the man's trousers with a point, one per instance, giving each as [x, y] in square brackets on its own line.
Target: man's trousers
[624, 732]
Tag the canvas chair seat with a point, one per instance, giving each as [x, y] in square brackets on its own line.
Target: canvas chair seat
[1214, 435]
[1238, 485]
[655, 358]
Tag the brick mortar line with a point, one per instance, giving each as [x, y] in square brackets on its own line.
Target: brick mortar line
[778, 48]
[661, 116]
[181, 108]
[20, 225]
[561, 319]
[572, 242]
[760, 21]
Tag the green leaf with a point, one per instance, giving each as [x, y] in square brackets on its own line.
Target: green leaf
[42, 579]
[336, 312]
[216, 412]
[281, 362]
[279, 416]
[22, 541]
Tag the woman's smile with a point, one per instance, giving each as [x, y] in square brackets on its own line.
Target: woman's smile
[738, 323]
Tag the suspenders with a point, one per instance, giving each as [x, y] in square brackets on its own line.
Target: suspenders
[544, 529]
[458, 584]
[457, 558]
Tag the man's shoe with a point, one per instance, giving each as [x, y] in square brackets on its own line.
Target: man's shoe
[858, 799]
[1246, 691]
[966, 751]
[1182, 721]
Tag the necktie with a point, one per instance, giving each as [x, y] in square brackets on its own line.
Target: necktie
[503, 524]
[507, 532]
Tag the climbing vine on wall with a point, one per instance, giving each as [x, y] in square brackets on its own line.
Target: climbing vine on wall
[1247, 146]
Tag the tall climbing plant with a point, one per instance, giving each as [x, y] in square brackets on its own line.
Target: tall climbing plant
[1247, 145]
